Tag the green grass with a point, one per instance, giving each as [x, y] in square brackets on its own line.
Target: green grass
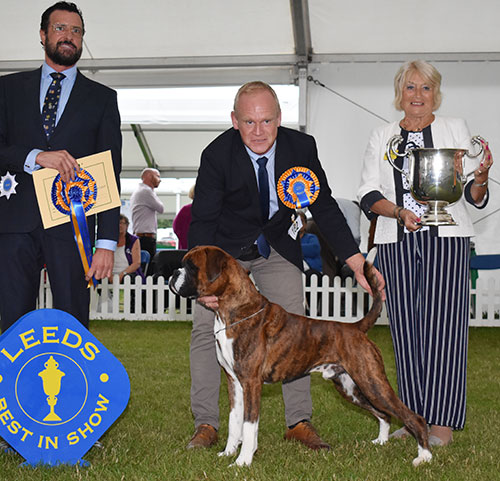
[148, 441]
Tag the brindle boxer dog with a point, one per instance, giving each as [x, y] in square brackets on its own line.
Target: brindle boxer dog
[259, 342]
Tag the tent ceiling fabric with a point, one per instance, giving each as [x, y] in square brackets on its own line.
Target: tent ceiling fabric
[159, 34]
[160, 28]
[167, 42]
[386, 26]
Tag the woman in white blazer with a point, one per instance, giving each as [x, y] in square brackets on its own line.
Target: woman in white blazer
[426, 268]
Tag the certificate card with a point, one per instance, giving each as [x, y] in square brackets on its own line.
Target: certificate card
[100, 168]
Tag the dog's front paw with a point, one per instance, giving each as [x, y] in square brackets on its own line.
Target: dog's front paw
[228, 452]
[424, 456]
[231, 448]
[380, 441]
[242, 461]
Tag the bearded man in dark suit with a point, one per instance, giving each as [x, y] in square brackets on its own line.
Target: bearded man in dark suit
[228, 212]
[86, 122]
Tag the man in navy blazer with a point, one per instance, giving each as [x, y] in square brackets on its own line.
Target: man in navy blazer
[226, 212]
[87, 122]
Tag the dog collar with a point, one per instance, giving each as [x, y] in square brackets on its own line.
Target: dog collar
[241, 320]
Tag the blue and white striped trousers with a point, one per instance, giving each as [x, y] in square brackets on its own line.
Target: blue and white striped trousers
[428, 308]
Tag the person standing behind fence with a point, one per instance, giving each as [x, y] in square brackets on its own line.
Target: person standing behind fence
[236, 208]
[426, 268]
[145, 206]
[182, 221]
[50, 117]
[128, 253]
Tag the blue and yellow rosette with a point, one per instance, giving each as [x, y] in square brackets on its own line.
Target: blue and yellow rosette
[298, 187]
[75, 198]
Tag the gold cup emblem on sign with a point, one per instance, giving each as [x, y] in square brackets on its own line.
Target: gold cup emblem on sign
[51, 378]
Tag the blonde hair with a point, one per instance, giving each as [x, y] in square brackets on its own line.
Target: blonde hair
[427, 71]
[255, 86]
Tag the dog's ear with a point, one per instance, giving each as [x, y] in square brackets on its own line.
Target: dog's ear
[216, 262]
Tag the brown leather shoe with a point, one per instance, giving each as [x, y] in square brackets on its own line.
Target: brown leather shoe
[204, 437]
[306, 434]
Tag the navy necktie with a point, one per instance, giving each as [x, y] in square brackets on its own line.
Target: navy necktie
[49, 110]
[262, 245]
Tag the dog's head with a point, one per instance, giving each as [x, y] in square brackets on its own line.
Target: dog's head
[204, 272]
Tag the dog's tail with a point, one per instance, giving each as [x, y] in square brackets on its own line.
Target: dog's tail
[372, 315]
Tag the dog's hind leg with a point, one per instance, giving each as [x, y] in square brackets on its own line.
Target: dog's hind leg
[251, 407]
[350, 391]
[235, 431]
[416, 425]
[372, 381]
[383, 433]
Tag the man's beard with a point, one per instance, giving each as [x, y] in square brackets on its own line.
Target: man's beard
[67, 59]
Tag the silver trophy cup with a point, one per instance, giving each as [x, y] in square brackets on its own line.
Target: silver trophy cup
[436, 177]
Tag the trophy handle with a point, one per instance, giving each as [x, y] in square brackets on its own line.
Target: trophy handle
[476, 140]
[392, 145]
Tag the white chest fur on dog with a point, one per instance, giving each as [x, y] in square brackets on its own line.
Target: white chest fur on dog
[224, 346]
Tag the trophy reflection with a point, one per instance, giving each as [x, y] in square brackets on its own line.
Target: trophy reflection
[51, 378]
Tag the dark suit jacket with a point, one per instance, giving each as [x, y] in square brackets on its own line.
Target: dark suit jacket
[90, 124]
[226, 210]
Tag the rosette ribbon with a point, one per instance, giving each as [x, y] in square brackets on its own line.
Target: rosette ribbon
[75, 198]
[298, 187]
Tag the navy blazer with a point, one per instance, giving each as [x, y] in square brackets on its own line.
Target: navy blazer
[90, 124]
[226, 211]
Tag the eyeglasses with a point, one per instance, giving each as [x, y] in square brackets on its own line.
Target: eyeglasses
[61, 28]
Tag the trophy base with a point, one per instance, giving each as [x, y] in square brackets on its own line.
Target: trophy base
[52, 417]
[436, 214]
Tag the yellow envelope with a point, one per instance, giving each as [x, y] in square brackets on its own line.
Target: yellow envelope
[100, 167]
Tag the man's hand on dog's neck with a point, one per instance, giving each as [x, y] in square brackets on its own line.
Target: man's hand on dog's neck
[210, 302]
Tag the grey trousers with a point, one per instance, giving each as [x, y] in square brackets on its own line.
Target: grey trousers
[281, 282]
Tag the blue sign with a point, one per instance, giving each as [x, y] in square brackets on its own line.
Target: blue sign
[60, 388]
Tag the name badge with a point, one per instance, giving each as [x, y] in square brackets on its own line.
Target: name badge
[294, 229]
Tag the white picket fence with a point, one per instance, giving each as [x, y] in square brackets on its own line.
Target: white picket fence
[135, 301]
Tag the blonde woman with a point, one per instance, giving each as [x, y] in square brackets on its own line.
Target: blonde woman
[426, 268]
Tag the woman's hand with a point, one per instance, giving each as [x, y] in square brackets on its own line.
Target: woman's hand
[480, 184]
[409, 220]
[481, 173]
[403, 217]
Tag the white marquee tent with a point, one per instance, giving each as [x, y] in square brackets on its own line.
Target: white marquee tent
[352, 48]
